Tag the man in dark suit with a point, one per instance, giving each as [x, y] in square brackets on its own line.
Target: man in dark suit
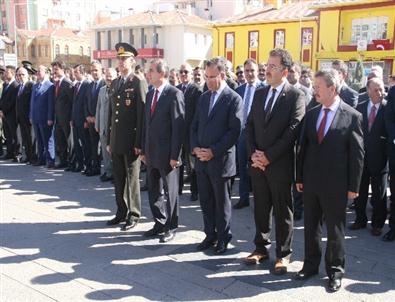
[246, 91]
[125, 122]
[347, 94]
[42, 117]
[163, 135]
[82, 143]
[63, 105]
[191, 92]
[23, 112]
[8, 113]
[329, 169]
[90, 113]
[375, 170]
[390, 124]
[214, 133]
[272, 128]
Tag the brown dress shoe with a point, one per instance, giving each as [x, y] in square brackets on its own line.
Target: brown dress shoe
[280, 268]
[376, 231]
[256, 258]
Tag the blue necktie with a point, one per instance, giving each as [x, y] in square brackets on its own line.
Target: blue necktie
[246, 103]
[212, 98]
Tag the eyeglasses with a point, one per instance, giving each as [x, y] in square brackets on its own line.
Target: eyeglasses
[183, 71]
[274, 67]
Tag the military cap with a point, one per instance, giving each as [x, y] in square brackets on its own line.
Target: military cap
[125, 50]
[29, 67]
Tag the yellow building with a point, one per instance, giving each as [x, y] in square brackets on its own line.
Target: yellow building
[357, 31]
[293, 26]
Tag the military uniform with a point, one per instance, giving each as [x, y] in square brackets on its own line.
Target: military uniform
[127, 99]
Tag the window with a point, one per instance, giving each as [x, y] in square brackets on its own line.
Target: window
[57, 50]
[368, 29]
[253, 39]
[66, 50]
[109, 44]
[279, 38]
[98, 40]
[39, 51]
[205, 40]
[120, 35]
[33, 49]
[89, 51]
[46, 50]
[229, 40]
[196, 39]
[81, 51]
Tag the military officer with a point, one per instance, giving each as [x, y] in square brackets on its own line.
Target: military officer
[127, 99]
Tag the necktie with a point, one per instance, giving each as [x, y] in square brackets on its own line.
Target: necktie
[183, 88]
[269, 105]
[38, 88]
[94, 87]
[321, 128]
[212, 98]
[154, 101]
[20, 90]
[57, 85]
[372, 116]
[77, 88]
[246, 103]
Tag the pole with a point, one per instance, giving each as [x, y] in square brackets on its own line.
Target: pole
[15, 36]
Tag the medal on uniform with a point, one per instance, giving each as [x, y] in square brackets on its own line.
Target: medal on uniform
[128, 101]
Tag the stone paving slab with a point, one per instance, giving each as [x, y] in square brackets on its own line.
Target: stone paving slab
[55, 246]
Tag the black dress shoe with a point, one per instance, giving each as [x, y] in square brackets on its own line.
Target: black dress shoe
[206, 244]
[130, 224]
[167, 236]
[389, 236]
[115, 220]
[144, 188]
[51, 165]
[38, 163]
[297, 216]
[14, 159]
[222, 246]
[304, 274]
[155, 231]
[241, 204]
[25, 161]
[77, 169]
[194, 197]
[357, 226]
[93, 172]
[106, 178]
[61, 166]
[334, 284]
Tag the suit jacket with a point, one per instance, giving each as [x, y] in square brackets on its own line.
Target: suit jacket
[23, 101]
[375, 140]
[164, 132]
[334, 166]
[8, 100]
[79, 102]
[102, 110]
[125, 116]
[64, 102]
[276, 137]
[218, 131]
[363, 97]
[242, 88]
[91, 103]
[191, 98]
[42, 103]
[390, 116]
[349, 95]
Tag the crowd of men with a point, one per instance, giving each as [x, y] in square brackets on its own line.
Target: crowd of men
[303, 144]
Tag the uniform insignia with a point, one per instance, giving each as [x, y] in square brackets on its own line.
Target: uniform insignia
[128, 102]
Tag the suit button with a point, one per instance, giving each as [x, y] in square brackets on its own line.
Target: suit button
[116, 120]
[117, 104]
[119, 96]
[116, 112]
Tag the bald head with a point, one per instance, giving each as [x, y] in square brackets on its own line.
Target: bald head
[22, 75]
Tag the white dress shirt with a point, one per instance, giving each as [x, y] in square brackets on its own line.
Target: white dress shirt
[330, 116]
[279, 90]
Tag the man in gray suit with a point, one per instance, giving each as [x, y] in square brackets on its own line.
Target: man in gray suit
[102, 121]
[162, 138]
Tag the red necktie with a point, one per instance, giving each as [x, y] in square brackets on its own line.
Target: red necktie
[372, 116]
[57, 84]
[154, 101]
[321, 128]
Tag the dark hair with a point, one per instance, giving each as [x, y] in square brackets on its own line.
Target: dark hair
[59, 64]
[250, 61]
[10, 67]
[284, 55]
[340, 65]
[297, 67]
[80, 68]
[161, 65]
[219, 62]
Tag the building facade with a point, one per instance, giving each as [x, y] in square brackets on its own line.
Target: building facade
[174, 35]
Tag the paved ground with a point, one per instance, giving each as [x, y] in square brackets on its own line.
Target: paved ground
[55, 246]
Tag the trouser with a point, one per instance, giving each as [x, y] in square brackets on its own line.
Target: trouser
[107, 163]
[45, 143]
[25, 127]
[242, 157]
[62, 133]
[94, 144]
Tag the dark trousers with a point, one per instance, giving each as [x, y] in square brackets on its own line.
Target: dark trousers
[94, 138]
[391, 220]
[45, 148]
[297, 200]
[82, 148]
[10, 126]
[62, 133]
[378, 199]
[127, 186]
[272, 198]
[188, 165]
[26, 134]
[242, 157]
[216, 205]
[163, 196]
[333, 208]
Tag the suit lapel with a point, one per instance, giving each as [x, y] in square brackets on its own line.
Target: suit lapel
[278, 102]
[365, 125]
[216, 105]
[160, 101]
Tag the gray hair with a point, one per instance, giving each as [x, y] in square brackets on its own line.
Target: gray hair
[331, 78]
[375, 80]
[218, 62]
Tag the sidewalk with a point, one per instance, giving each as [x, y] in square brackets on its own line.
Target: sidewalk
[55, 246]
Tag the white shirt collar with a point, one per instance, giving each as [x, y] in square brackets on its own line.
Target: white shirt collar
[335, 105]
